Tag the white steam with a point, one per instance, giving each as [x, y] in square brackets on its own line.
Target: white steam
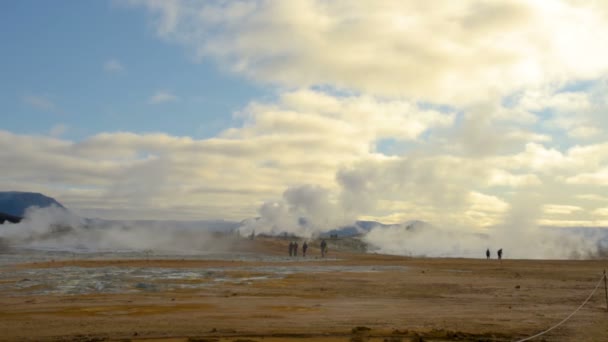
[308, 211]
[57, 229]
[304, 211]
[541, 243]
[518, 236]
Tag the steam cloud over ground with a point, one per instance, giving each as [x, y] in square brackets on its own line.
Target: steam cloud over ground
[57, 229]
[305, 212]
[309, 211]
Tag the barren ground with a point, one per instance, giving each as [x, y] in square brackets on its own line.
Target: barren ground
[346, 297]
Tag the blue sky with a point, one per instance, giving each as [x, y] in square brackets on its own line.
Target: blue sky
[54, 52]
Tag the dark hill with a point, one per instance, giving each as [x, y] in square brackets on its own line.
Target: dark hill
[9, 218]
[15, 203]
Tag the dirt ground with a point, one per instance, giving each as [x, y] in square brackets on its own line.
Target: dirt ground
[346, 297]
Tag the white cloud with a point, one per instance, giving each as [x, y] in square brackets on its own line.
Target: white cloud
[500, 177]
[308, 137]
[559, 209]
[485, 210]
[113, 65]
[162, 96]
[592, 197]
[599, 178]
[601, 212]
[448, 53]
[362, 119]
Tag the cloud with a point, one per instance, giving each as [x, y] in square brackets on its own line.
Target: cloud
[39, 102]
[162, 96]
[592, 197]
[558, 209]
[113, 65]
[499, 177]
[601, 212]
[446, 54]
[328, 144]
[598, 178]
[302, 138]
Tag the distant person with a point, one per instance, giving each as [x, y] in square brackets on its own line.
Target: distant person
[290, 248]
[295, 248]
[500, 254]
[304, 249]
[488, 253]
[323, 248]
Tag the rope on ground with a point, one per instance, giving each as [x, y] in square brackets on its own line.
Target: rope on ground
[569, 316]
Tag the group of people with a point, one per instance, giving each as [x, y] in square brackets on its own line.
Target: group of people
[499, 253]
[293, 248]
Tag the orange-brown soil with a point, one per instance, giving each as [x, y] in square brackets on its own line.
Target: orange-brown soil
[427, 299]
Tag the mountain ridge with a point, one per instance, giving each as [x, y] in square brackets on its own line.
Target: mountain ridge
[16, 203]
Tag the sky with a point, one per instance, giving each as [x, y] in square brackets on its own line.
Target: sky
[464, 114]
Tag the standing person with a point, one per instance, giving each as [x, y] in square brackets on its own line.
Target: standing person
[323, 248]
[290, 248]
[295, 248]
[488, 253]
[304, 248]
[500, 254]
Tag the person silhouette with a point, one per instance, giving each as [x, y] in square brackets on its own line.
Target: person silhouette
[323, 248]
[488, 253]
[500, 254]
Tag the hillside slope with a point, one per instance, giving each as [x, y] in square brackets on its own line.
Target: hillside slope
[15, 203]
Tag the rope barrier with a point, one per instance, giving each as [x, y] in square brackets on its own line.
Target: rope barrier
[569, 316]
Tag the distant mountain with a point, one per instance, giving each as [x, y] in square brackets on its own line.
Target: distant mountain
[15, 203]
[9, 218]
[357, 228]
[362, 227]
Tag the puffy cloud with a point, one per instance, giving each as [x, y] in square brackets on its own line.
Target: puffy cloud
[302, 138]
[329, 142]
[447, 53]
